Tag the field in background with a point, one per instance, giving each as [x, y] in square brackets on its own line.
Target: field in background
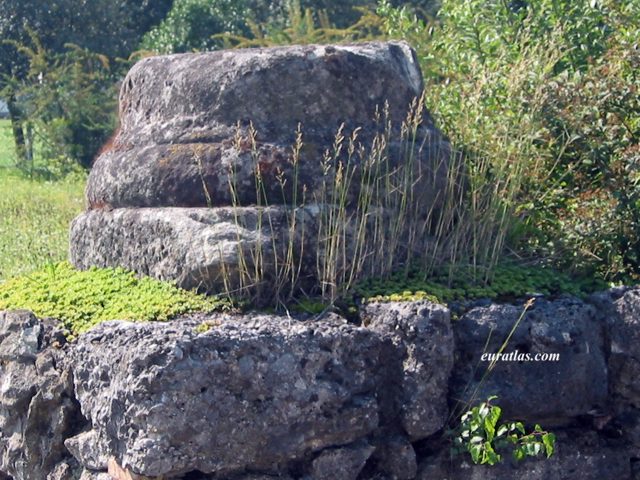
[7, 152]
[34, 215]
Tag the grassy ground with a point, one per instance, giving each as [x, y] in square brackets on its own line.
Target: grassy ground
[34, 215]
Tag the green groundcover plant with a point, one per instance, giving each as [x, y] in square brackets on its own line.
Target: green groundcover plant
[82, 299]
[507, 282]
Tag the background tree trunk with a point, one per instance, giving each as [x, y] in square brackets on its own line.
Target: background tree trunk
[18, 132]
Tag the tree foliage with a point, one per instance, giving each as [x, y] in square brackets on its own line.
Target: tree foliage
[202, 24]
[109, 27]
[303, 26]
[69, 101]
[191, 24]
[544, 91]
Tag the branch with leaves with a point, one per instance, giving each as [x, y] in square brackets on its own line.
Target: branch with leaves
[485, 440]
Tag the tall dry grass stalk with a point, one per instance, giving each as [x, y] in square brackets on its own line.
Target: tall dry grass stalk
[420, 205]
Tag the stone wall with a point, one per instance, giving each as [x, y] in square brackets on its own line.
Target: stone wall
[257, 396]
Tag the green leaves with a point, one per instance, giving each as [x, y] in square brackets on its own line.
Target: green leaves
[483, 438]
[534, 444]
[549, 441]
[490, 422]
[68, 101]
[190, 25]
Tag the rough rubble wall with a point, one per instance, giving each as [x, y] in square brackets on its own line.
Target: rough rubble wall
[258, 396]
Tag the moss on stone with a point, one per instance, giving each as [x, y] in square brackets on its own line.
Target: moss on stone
[508, 282]
[82, 299]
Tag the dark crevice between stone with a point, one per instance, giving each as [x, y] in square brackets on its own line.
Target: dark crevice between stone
[76, 422]
[432, 445]
[196, 475]
[299, 468]
[369, 470]
[389, 395]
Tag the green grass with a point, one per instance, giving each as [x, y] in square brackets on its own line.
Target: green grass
[34, 215]
[7, 150]
[34, 232]
[82, 299]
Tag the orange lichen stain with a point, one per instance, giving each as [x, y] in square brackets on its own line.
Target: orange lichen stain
[111, 144]
[100, 205]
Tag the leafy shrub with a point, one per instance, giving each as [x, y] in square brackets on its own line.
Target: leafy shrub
[595, 209]
[191, 24]
[484, 439]
[541, 98]
[82, 299]
[475, 87]
[301, 26]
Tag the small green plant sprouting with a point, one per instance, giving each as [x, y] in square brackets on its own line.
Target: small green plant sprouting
[484, 439]
[308, 305]
[203, 328]
[207, 325]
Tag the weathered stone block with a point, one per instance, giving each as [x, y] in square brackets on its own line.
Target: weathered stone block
[37, 407]
[623, 321]
[194, 247]
[547, 392]
[422, 335]
[184, 138]
[253, 393]
[344, 463]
